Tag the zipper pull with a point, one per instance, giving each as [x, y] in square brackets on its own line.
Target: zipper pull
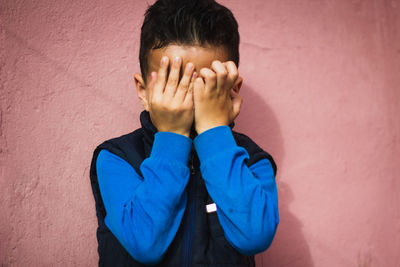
[192, 170]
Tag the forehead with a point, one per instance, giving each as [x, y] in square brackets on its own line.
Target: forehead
[200, 56]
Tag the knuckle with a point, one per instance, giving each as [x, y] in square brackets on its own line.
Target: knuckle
[212, 76]
[232, 67]
[173, 108]
[215, 62]
[231, 63]
[173, 80]
[183, 87]
[161, 76]
[184, 83]
[234, 73]
[223, 74]
[203, 72]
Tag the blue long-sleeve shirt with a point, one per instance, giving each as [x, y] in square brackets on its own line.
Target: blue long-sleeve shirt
[145, 214]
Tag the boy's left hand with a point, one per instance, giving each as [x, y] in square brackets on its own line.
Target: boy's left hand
[216, 103]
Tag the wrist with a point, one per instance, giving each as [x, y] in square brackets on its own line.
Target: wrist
[202, 128]
[169, 130]
[187, 134]
[184, 133]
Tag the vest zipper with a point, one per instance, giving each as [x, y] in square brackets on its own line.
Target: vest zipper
[189, 222]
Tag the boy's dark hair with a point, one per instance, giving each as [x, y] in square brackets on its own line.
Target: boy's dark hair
[188, 22]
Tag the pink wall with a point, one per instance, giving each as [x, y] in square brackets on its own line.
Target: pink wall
[321, 94]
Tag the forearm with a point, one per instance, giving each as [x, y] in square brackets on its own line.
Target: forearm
[145, 214]
[246, 198]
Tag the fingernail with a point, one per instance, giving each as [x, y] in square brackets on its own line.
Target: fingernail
[177, 59]
[189, 66]
[194, 76]
[164, 60]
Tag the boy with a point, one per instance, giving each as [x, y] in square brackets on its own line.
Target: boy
[184, 189]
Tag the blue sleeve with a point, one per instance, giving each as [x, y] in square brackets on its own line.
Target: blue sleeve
[145, 214]
[246, 197]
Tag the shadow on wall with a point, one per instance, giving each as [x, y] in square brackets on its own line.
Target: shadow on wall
[258, 121]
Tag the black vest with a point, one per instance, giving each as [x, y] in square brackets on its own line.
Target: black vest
[200, 239]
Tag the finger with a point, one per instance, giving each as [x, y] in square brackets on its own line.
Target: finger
[161, 76]
[236, 103]
[221, 72]
[151, 84]
[233, 73]
[185, 82]
[189, 94]
[210, 79]
[198, 88]
[173, 77]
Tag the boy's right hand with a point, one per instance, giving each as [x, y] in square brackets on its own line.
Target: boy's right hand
[171, 101]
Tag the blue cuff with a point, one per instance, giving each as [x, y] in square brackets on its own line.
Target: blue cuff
[213, 141]
[171, 146]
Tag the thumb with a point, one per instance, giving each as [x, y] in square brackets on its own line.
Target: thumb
[236, 103]
[198, 87]
[189, 94]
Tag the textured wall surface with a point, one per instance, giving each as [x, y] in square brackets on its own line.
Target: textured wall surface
[321, 94]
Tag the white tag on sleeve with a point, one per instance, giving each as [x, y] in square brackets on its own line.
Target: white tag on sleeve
[211, 208]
